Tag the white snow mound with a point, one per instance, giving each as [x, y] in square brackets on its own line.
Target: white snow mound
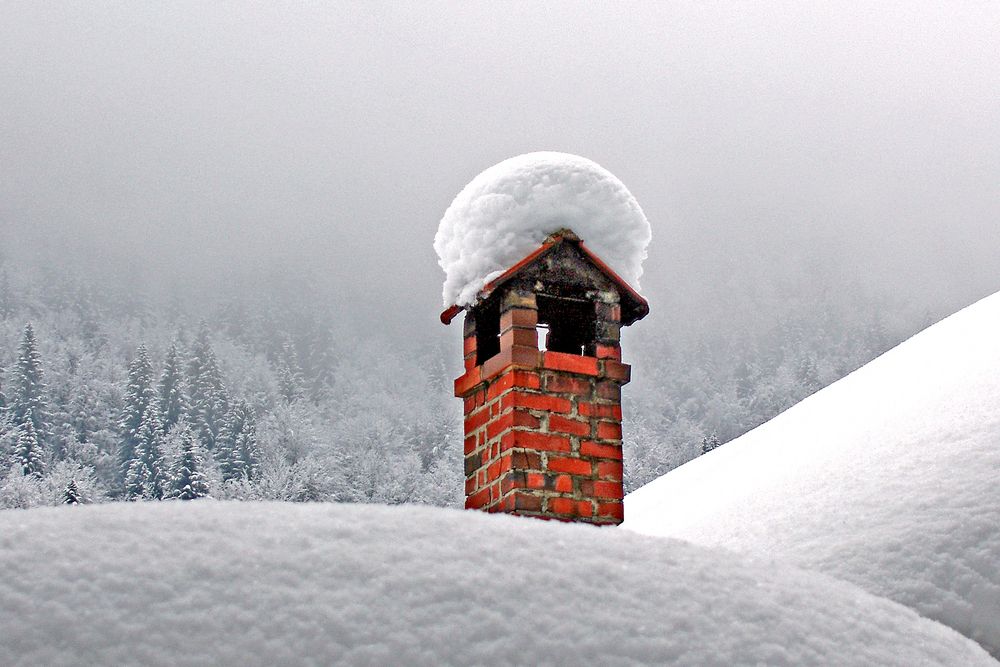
[889, 478]
[506, 212]
[208, 583]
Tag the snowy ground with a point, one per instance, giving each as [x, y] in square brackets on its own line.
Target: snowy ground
[889, 478]
[208, 583]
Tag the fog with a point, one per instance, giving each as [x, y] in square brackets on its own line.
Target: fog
[846, 149]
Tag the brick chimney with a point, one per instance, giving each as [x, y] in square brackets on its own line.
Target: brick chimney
[543, 432]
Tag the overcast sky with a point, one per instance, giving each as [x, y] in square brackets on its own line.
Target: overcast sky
[859, 140]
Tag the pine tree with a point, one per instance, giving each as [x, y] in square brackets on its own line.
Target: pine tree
[71, 496]
[188, 480]
[238, 455]
[709, 442]
[209, 399]
[173, 403]
[139, 396]
[27, 400]
[290, 379]
[3, 398]
[28, 449]
[807, 374]
[144, 478]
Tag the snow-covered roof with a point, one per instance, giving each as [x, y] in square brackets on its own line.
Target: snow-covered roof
[889, 478]
[279, 584]
[508, 210]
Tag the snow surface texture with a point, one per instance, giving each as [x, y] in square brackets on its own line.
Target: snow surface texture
[212, 583]
[889, 478]
[506, 212]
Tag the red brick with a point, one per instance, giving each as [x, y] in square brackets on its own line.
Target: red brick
[609, 352]
[616, 510]
[562, 505]
[526, 460]
[513, 419]
[572, 426]
[584, 508]
[478, 499]
[526, 379]
[499, 386]
[467, 382]
[470, 444]
[608, 490]
[565, 384]
[570, 363]
[587, 488]
[518, 399]
[536, 441]
[570, 465]
[535, 480]
[511, 481]
[523, 501]
[476, 420]
[609, 431]
[518, 317]
[598, 410]
[609, 389]
[470, 485]
[495, 491]
[515, 378]
[616, 370]
[590, 448]
[471, 465]
[493, 471]
[564, 484]
[519, 336]
[610, 470]
[506, 464]
[496, 365]
[524, 355]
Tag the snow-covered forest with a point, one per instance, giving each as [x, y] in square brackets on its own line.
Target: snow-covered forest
[114, 392]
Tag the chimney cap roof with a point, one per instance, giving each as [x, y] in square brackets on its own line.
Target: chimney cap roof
[634, 306]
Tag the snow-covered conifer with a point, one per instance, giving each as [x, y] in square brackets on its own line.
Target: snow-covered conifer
[28, 452]
[290, 377]
[3, 397]
[27, 399]
[208, 396]
[144, 477]
[188, 479]
[139, 396]
[238, 455]
[709, 442]
[72, 494]
[173, 402]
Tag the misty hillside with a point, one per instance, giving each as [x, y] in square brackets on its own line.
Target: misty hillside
[279, 396]
[887, 479]
[279, 584]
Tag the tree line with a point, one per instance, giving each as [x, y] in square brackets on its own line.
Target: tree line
[109, 394]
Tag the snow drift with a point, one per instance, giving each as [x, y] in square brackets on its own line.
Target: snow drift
[889, 478]
[266, 584]
[506, 212]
